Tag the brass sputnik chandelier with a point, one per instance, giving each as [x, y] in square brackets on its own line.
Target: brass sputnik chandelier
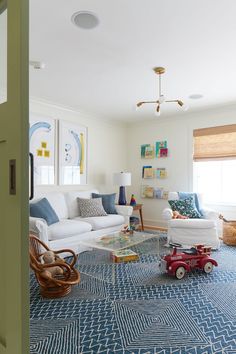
[161, 98]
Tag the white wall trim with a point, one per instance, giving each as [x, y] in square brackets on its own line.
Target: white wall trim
[74, 110]
[156, 223]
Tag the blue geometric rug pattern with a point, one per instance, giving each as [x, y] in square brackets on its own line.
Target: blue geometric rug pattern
[132, 308]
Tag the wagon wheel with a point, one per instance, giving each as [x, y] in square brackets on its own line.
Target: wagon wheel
[208, 267]
[180, 272]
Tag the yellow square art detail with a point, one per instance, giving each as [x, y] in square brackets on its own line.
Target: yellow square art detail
[46, 153]
[39, 152]
[43, 145]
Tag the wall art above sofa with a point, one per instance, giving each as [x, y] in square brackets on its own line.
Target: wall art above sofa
[60, 157]
[72, 153]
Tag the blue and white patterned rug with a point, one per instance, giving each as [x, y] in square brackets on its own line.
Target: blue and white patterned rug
[133, 308]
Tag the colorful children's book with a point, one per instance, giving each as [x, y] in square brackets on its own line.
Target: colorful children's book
[161, 172]
[149, 152]
[147, 192]
[143, 150]
[160, 145]
[163, 152]
[158, 192]
[144, 169]
[165, 195]
[124, 256]
[148, 172]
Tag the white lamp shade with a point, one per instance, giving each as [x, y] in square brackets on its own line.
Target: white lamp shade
[122, 179]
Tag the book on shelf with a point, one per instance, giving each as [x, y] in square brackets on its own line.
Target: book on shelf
[160, 145]
[148, 172]
[144, 169]
[149, 152]
[164, 152]
[147, 192]
[161, 173]
[165, 195]
[143, 149]
[158, 192]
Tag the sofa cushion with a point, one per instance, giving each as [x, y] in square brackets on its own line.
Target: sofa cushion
[58, 203]
[108, 202]
[91, 207]
[72, 203]
[191, 223]
[102, 222]
[42, 209]
[67, 228]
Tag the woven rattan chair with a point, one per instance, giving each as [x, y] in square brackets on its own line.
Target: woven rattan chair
[58, 285]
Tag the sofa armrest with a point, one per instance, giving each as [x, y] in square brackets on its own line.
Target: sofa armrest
[125, 210]
[40, 227]
[167, 214]
[210, 214]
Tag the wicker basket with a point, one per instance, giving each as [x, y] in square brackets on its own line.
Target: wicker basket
[229, 233]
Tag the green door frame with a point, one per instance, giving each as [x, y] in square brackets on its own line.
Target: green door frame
[14, 120]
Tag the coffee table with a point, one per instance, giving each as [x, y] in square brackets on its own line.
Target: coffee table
[117, 241]
[113, 242]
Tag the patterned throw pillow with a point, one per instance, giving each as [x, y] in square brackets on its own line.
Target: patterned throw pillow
[185, 207]
[91, 207]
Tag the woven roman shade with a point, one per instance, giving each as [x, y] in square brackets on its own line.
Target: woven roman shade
[215, 143]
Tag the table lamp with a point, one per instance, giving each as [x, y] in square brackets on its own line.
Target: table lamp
[122, 179]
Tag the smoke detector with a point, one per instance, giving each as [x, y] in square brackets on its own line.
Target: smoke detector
[85, 20]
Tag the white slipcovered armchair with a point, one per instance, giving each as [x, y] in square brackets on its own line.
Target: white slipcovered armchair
[192, 231]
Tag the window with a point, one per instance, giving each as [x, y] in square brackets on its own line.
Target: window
[214, 167]
[216, 180]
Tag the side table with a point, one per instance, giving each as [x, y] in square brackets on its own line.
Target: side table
[138, 207]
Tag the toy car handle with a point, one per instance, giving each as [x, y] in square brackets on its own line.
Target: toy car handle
[175, 244]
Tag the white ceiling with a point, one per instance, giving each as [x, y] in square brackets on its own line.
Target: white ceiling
[105, 71]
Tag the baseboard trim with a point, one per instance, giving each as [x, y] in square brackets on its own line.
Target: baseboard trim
[158, 228]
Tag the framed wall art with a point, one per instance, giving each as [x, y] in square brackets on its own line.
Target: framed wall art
[42, 139]
[72, 153]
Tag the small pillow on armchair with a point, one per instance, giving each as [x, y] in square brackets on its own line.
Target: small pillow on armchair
[185, 207]
[91, 207]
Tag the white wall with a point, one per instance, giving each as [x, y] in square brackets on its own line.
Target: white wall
[106, 147]
[178, 132]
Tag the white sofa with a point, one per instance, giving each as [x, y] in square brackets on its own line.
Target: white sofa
[72, 230]
[192, 231]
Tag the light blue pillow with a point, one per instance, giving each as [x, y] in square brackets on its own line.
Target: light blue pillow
[108, 202]
[42, 209]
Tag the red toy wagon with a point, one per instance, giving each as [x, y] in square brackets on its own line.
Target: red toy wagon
[177, 264]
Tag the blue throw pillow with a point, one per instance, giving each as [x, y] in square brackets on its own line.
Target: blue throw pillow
[108, 202]
[42, 209]
[185, 195]
[185, 207]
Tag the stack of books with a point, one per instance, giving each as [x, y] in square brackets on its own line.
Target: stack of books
[124, 256]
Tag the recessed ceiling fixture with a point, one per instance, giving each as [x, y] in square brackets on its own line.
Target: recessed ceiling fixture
[85, 20]
[161, 98]
[37, 64]
[196, 96]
